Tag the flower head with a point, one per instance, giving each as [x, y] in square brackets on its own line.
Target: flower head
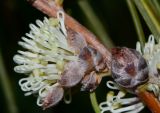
[46, 53]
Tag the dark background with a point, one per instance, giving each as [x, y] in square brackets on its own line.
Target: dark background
[15, 18]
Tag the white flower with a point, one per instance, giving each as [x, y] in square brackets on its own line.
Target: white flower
[151, 53]
[119, 104]
[47, 51]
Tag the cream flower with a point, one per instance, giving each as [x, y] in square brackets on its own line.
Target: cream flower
[119, 104]
[151, 53]
[47, 51]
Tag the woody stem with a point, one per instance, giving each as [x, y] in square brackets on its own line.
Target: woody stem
[149, 99]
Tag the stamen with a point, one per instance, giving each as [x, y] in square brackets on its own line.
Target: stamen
[155, 89]
[138, 47]
[128, 100]
[28, 54]
[33, 28]
[129, 108]
[30, 35]
[68, 97]
[112, 85]
[39, 23]
[151, 42]
[61, 17]
[28, 93]
[39, 101]
[21, 60]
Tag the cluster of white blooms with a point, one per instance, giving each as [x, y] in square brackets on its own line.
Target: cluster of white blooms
[151, 52]
[47, 51]
[119, 104]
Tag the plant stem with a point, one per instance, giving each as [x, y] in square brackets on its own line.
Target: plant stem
[149, 99]
[137, 22]
[95, 23]
[149, 16]
[10, 101]
[94, 102]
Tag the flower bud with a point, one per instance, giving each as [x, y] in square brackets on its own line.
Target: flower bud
[129, 68]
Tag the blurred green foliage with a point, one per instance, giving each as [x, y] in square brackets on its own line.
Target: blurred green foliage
[117, 22]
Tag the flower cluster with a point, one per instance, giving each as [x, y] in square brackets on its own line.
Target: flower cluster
[119, 104]
[46, 52]
[151, 53]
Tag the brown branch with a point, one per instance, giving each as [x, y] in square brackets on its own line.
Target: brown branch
[50, 8]
[150, 100]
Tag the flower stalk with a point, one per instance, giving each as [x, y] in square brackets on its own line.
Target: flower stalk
[149, 99]
[94, 102]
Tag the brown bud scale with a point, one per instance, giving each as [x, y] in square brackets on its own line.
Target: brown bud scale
[129, 69]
